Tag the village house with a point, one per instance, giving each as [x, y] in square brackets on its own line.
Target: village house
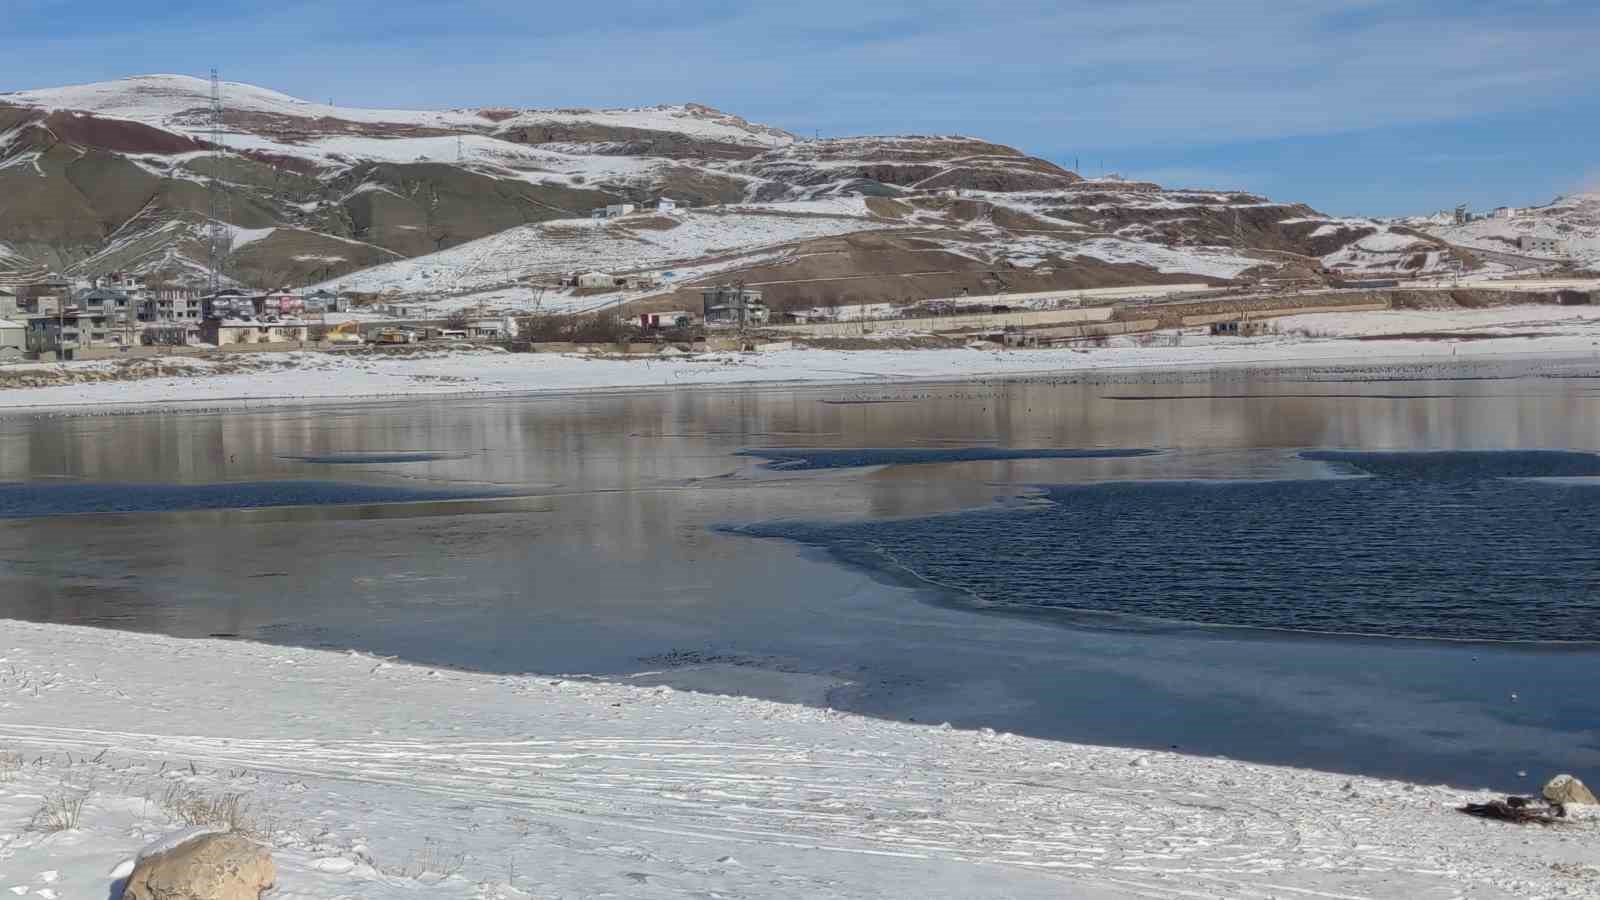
[9, 307]
[613, 211]
[228, 303]
[169, 305]
[45, 295]
[596, 281]
[492, 329]
[111, 304]
[170, 334]
[325, 301]
[62, 333]
[282, 303]
[733, 307]
[666, 204]
[407, 311]
[120, 281]
[232, 332]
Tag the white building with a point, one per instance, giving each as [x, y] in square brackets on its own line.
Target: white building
[13, 338]
[493, 329]
[666, 204]
[1506, 212]
[593, 280]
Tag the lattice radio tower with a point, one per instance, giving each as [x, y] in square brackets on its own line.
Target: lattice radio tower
[219, 237]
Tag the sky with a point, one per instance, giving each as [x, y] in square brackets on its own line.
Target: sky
[1358, 107]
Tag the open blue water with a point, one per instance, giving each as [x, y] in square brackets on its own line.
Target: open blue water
[1455, 545]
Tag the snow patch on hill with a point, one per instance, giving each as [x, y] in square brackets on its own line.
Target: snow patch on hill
[629, 244]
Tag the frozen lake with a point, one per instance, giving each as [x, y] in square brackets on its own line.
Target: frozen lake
[1153, 564]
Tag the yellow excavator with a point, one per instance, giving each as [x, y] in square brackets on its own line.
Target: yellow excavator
[345, 333]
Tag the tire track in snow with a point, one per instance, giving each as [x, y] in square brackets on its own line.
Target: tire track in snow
[855, 803]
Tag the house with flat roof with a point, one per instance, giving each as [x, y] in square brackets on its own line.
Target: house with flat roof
[733, 307]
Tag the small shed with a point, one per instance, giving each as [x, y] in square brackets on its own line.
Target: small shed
[593, 280]
[666, 204]
[13, 338]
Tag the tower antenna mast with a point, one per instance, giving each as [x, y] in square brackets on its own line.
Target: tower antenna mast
[219, 238]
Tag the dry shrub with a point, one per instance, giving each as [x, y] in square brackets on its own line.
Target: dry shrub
[10, 765]
[192, 806]
[61, 811]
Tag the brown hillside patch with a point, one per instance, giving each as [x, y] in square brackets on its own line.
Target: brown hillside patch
[118, 136]
[1020, 221]
[650, 223]
[889, 209]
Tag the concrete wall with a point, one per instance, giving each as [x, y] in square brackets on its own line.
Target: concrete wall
[1256, 314]
[945, 324]
[1074, 332]
[204, 350]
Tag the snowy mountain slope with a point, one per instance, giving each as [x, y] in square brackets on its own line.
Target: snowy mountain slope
[881, 165]
[644, 243]
[1572, 221]
[181, 103]
[83, 163]
[115, 175]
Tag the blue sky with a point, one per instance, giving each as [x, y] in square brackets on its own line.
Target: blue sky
[1355, 106]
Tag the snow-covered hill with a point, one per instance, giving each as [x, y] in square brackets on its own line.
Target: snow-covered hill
[114, 176]
[181, 103]
[1573, 222]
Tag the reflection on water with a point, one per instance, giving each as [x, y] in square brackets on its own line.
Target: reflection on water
[612, 557]
[353, 459]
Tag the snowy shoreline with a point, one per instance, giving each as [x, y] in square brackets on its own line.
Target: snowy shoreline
[1375, 341]
[371, 778]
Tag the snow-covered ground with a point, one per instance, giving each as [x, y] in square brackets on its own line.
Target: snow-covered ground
[1572, 221]
[233, 380]
[1573, 320]
[373, 779]
[629, 244]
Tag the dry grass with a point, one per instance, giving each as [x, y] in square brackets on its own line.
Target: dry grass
[192, 806]
[61, 811]
[433, 859]
[10, 765]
